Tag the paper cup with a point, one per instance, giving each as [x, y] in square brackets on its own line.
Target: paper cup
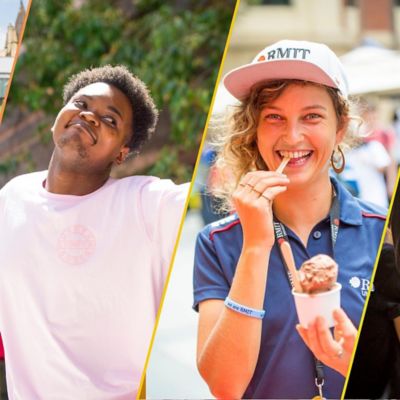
[310, 306]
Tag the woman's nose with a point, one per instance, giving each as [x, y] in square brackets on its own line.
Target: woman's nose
[293, 132]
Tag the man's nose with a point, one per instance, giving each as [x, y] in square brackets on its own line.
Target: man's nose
[90, 117]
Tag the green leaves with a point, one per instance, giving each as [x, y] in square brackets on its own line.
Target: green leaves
[175, 50]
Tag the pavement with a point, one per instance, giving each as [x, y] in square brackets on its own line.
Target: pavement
[172, 371]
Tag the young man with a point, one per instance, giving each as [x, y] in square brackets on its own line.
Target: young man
[83, 256]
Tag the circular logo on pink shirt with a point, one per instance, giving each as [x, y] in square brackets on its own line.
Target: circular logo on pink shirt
[76, 244]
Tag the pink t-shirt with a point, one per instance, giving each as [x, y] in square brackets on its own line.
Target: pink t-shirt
[81, 279]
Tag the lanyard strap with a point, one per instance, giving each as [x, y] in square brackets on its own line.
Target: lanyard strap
[280, 231]
[281, 235]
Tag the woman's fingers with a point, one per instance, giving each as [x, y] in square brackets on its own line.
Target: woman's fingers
[345, 331]
[270, 193]
[329, 345]
[334, 352]
[252, 201]
[261, 180]
[266, 184]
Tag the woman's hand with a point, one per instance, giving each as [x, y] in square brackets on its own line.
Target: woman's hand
[334, 351]
[253, 200]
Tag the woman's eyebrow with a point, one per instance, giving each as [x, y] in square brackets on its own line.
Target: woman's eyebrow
[313, 106]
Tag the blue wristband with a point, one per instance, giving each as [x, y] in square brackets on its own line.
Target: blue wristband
[250, 312]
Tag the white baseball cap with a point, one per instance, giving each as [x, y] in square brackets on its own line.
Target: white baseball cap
[289, 59]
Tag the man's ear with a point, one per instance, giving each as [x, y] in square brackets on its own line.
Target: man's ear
[122, 155]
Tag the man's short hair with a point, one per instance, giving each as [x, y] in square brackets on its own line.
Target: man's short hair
[144, 111]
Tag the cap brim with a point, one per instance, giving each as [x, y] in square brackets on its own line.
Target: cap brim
[240, 80]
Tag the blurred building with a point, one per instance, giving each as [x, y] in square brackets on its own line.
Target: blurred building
[341, 24]
[7, 54]
[13, 34]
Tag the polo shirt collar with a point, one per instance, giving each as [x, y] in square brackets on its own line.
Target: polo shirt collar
[350, 210]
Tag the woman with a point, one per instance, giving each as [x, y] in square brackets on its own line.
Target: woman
[293, 105]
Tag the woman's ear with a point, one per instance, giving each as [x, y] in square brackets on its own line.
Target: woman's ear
[122, 155]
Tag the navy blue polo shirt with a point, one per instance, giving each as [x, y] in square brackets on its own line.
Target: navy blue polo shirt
[285, 367]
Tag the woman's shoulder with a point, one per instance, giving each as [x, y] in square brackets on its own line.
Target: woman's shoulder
[371, 210]
[351, 205]
[225, 227]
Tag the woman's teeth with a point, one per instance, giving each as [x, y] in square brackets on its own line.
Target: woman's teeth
[294, 154]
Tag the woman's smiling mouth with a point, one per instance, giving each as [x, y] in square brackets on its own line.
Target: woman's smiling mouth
[296, 158]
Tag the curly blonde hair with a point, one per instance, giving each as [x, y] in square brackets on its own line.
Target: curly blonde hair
[236, 142]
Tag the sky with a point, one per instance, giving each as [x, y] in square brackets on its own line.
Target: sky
[8, 13]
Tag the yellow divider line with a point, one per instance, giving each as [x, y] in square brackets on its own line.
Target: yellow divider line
[370, 286]
[142, 390]
[3, 106]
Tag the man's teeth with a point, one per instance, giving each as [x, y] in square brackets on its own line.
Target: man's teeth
[294, 154]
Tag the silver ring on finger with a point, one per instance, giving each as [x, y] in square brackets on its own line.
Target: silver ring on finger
[254, 190]
[265, 196]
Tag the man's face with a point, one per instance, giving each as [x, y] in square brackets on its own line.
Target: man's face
[92, 129]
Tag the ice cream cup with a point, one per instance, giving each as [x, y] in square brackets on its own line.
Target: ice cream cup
[310, 306]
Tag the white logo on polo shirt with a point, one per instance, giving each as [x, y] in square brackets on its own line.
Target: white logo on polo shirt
[360, 283]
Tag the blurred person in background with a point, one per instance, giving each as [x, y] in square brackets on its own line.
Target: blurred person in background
[209, 176]
[396, 127]
[386, 135]
[367, 165]
[294, 106]
[375, 372]
[372, 163]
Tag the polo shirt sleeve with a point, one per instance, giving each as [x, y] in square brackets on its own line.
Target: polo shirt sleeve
[209, 281]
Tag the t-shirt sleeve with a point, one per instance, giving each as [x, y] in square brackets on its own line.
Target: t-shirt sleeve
[171, 209]
[162, 205]
[209, 281]
[393, 310]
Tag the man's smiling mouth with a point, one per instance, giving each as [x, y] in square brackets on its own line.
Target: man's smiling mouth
[86, 127]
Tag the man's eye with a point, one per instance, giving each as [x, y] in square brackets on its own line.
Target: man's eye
[80, 104]
[110, 121]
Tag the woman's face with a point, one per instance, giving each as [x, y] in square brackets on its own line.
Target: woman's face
[300, 124]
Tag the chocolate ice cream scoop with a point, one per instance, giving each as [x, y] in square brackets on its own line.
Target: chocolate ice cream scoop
[318, 274]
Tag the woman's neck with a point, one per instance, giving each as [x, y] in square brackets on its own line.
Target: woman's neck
[301, 208]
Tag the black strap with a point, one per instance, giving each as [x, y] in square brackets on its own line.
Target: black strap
[281, 235]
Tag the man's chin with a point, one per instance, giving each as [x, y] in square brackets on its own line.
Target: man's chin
[72, 145]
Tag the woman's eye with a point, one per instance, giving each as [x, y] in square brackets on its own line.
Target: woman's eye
[312, 116]
[273, 117]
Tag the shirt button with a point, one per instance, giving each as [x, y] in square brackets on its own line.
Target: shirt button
[317, 234]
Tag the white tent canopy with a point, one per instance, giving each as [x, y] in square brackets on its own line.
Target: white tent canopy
[372, 69]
